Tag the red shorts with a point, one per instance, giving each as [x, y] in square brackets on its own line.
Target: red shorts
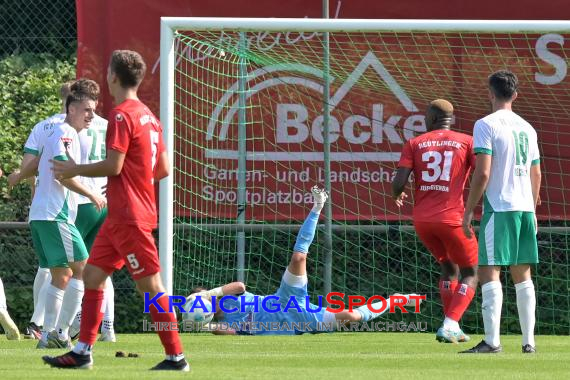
[120, 244]
[448, 243]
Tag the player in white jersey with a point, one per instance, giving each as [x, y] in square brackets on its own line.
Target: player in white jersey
[89, 217]
[507, 175]
[57, 241]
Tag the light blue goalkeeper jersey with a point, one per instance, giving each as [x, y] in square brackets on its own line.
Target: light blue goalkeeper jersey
[252, 318]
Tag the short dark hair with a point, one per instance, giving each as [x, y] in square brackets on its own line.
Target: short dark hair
[88, 87]
[504, 84]
[129, 67]
[76, 96]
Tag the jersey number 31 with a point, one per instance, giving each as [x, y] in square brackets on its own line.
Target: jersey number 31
[435, 170]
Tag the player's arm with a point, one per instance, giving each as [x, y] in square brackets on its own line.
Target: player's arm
[28, 168]
[399, 184]
[110, 166]
[405, 167]
[162, 168]
[478, 185]
[535, 179]
[231, 289]
[74, 185]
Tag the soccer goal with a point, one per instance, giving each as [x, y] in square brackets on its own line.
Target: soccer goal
[256, 111]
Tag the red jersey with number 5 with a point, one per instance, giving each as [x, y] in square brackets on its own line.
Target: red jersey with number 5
[441, 161]
[135, 131]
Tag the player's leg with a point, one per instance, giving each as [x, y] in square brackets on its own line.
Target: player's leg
[77, 256]
[53, 251]
[88, 222]
[494, 243]
[41, 282]
[141, 258]
[462, 251]
[298, 263]
[365, 313]
[521, 273]
[103, 261]
[7, 323]
[428, 235]
[107, 329]
[294, 281]
[152, 285]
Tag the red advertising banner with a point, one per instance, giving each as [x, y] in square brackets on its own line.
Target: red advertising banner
[368, 135]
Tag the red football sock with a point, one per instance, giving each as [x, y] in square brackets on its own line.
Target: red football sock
[460, 302]
[91, 315]
[446, 290]
[170, 339]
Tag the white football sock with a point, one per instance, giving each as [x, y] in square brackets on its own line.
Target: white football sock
[40, 307]
[491, 310]
[75, 325]
[450, 324]
[109, 305]
[526, 305]
[70, 306]
[82, 348]
[2, 297]
[42, 276]
[54, 298]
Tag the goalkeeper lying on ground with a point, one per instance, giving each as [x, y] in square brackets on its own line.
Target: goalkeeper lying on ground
[293, 284]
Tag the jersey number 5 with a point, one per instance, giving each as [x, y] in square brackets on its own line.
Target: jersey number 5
[436, 172]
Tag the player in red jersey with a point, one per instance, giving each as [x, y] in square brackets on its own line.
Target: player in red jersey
[441, 160]
[136, 158]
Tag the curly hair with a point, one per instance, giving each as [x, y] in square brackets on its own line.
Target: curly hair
[88, 87]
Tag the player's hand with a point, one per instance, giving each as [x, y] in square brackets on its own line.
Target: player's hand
[99, 201]
[400, 199]
[467, 228]
[64, 169]
[13, 179]
[535, 224]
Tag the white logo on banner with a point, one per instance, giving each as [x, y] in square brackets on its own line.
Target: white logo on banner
[379, 129]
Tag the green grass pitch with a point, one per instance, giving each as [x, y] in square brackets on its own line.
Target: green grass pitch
[324, 356]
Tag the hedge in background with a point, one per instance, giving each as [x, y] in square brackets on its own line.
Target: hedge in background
[29, 94]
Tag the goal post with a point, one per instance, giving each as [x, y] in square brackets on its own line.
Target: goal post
[246, 132]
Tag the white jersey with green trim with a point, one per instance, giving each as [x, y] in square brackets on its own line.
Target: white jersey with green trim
[52, 200]
[92, 142]
[513, 144]
[40, 131]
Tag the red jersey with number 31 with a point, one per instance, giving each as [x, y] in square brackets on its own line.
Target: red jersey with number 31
[135, 131]
[441, 161]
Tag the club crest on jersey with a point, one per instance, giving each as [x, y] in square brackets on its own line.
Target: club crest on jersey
[119, 117]
[66, 142]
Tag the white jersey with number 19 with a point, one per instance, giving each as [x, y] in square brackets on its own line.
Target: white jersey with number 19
[513, 144]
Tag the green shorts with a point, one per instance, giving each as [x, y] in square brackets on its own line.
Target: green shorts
[88, 222]
[57, 243]
[507, 238]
